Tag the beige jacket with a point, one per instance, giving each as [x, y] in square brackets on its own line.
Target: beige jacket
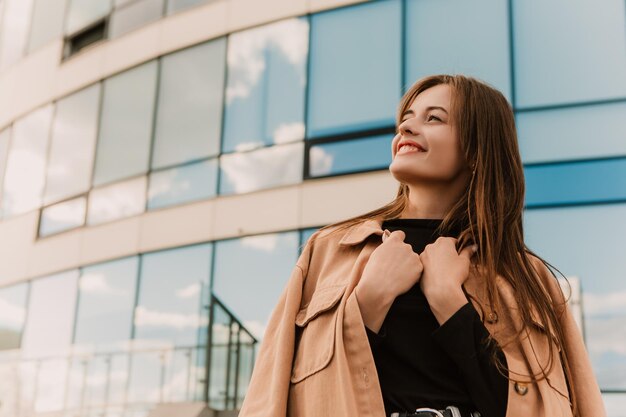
[315, 359]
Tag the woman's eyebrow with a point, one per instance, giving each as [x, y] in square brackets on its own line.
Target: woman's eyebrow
[427, 109]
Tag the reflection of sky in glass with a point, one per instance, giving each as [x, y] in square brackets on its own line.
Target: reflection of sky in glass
[582, 60]
[62, 216]
[576, 182]
[173, 293]
[82, 12]
[305, 235]
[587, 242]
[350, 156]
[183, 184]
[134, 16]
[126, 124]
[542, 134]
[12, 315]
[47, 22]
[189, 109]
[105, 303]
[50, 318]
[443, 37]
[24, 178]
[263, 168]
[355, 68]
[13, 30]
[251, 289]
[265, 87]
[51, 385]
[70, 160]
[117, 201]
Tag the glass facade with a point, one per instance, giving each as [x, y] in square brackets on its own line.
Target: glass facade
[278, 104]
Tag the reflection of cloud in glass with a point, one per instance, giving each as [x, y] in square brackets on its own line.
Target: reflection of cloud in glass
[117, 201]
[321, 161]
[145, 317]
[51, 386]
[189, 291]
[24, 176]
[266, 243]
[67, 212]
[11, 316]
[273, 166]
[607, 335]
[288, 132]
[256, 328]
[246, 52]
[168, 182]
[96, 283]
[612, 303]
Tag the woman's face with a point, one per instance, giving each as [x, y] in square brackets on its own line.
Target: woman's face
[442, 159]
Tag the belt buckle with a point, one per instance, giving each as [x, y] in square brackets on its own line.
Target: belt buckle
[435, 413]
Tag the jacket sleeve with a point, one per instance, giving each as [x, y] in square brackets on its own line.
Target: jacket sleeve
[583, 383]
[269, 384]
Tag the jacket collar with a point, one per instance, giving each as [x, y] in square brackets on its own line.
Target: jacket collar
[361, 231]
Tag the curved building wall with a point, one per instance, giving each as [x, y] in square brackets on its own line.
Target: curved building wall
[178, 164]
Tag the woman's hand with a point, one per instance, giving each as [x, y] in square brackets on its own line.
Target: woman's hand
[445, 271]
[392, 269]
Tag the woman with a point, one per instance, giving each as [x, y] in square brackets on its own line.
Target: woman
[450, 312]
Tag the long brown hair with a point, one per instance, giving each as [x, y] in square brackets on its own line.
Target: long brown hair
[490, 210]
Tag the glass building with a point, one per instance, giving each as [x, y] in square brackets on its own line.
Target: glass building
[162, 163]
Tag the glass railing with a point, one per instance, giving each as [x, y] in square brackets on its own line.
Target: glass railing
[129, 382]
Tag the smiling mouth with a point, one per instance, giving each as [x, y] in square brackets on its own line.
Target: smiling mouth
[409, 149]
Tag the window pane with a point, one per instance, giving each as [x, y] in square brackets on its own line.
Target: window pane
[576, 182]
[350, 156]
[589, 131]
[190, 104]
[588, 243]
[47, 22]
[50, 320]
[70, 162]
[583, 60]
[14, 27]
[305, 235]
[266, 81]
[174, 6]
[263, 168]
[116, 201]
[5, 137]
[183, 184]
[83, 12]
[135, 15]
[173, 295]
[105, 304]
[63, 216]
[126, 124]
[12, 315]
[355, 68]
[24, 179]
[251, 289]
[615, 404]
[444, 36]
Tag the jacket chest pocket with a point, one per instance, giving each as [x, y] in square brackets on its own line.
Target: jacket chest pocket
[315, 333]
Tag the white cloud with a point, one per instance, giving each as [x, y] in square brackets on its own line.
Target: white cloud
[146, 318]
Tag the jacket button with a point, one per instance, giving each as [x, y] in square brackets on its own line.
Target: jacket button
[520, 388]
[492, 317]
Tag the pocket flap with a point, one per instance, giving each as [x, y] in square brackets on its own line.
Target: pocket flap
[323, 299]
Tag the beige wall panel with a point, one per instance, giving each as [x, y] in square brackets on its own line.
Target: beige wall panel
[110, 241]
[55, 253]
[246, 13]
[194, 26]
[16, 239]
[329, 200]
[320, 5]
[258, 212]
[176, 226]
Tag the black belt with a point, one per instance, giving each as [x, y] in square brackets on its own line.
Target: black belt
[450, 411]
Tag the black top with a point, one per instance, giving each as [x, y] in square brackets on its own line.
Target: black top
[422, 364]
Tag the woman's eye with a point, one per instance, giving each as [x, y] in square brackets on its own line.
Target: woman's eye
[432, 115]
